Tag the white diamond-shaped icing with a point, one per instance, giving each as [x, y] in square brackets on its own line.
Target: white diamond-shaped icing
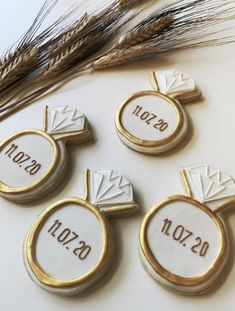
[64, 119]
[173, 82]
[209, 184]
[107, 187]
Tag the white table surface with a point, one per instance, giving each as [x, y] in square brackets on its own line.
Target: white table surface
[127, 287]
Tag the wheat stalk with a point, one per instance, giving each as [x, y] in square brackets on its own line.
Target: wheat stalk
[125, 4]
[68, 37]
[133, 45]
[23, 58]
[76, 43]
[120, 57]
[63, 50]
[114, 58]
[81, 40]
[29, 54]
[17, 67]
[142, 34]
[65, 59]
[80, 49]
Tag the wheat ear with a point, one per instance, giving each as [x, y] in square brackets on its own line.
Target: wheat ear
[17, 67]
[125, 4]
[68, 37]
[121, 57]
[141, 34]
[22, 58]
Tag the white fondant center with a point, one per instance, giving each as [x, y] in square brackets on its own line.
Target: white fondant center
[60, 259]
[25, 159]
[187, 258]
[138, 118]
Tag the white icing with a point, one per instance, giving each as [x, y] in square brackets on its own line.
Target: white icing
[173, 82]
[54, 258]
[107, 187]
[152, 104]
[48, 185]
[68, 291]
[38, 148]
[64, 119]
[174, 256]
[161, 148]
[209, 184]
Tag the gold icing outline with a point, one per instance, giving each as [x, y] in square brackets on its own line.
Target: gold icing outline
[114, 211]
[150, 143]
[18, 190]
[185, 182]
[154, 81]
[165, 274]
[31, 239]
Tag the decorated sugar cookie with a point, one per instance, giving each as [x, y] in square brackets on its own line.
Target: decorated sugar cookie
[70, 245]
[184, 242]
[154, 122]
[32, 162]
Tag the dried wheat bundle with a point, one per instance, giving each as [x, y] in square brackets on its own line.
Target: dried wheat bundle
[84, 38]
[80, 40]
[30, 52]
[24, 57]
[180, 26]
[170, 28]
